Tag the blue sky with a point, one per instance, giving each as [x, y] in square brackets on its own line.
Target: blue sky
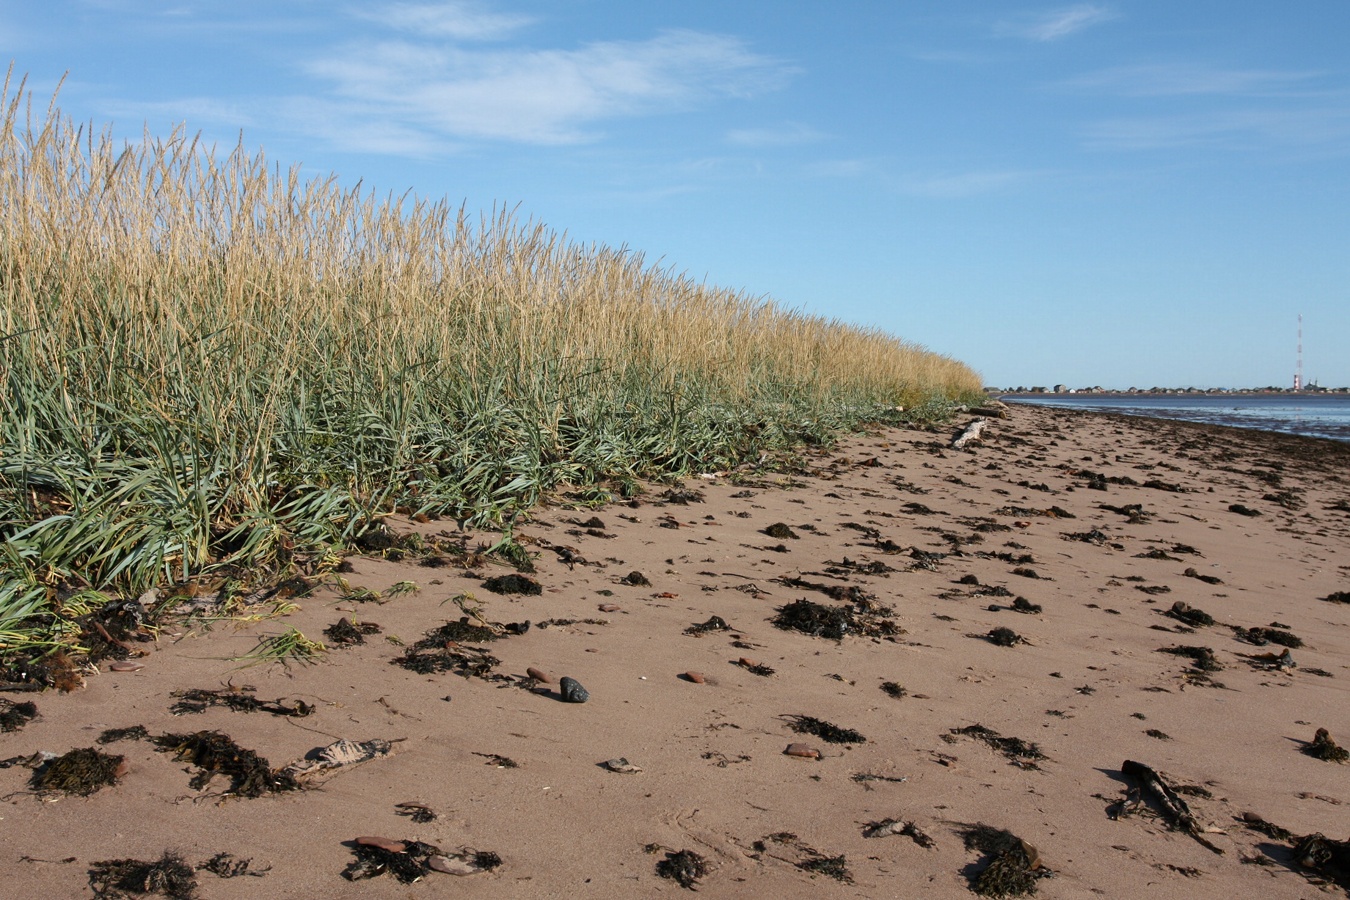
[1116, 193]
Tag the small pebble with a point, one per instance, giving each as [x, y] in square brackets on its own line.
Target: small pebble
[125, 665]
[802, 751]
[610, 607]
[387, 844]
[695, 677]
[622, 766]
[572, 691]
[539, 675]
[748, 662]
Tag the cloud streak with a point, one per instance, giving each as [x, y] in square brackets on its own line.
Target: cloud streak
[448, 92]
[460, 21]
[1057, 24]
[1186, 78]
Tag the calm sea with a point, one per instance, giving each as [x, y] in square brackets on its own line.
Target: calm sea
[1317, 415]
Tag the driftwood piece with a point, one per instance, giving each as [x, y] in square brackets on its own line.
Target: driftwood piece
[970, 433]
[1177, 813]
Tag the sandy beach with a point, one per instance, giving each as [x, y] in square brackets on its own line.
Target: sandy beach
[999, 629]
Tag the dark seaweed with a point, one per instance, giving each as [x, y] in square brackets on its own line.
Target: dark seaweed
[215, 752]
[131, 733]
[196, 700]
[14, 716]
[1016, 749]
[513, 584]
[1014, 867]
[1189, 614]
[779, 531]
[407, 866]
[684, 867]
[81, 772]
[345, 632]
[714, 623]
[834, 866]
[827, 732]
[169, 876]
[815, 619]
[1324, 748]
[1003, 637]
[1201, 657]
[1262, 636]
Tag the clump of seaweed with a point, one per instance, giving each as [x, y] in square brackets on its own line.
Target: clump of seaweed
[1019, 752]
[1202, 658]
[346, 632]
[1189, 614]
[1262, 636]
[130, 733]
[407, 865]
[1003, 636]
[81, 772]
[714, 623]
[834, 622]
[170, 876]
[513, 584]
[826, 731]
[779, 531]
[1014, 867]
[1023, 605]
[14, 716]
[893, 689]
[1338, 597]
[684, 867]
[1324, 748]
[215, 752]
[1325, 856]
[635, 579]
[834, 866]
[197, 700]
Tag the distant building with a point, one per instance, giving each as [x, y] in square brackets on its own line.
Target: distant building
[1061, 389]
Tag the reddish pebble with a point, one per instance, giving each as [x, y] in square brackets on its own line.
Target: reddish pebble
[122, 768]
[695, 677]
[125, 665]
[539, 675]
[383, 843]
[609, 607]
[748, 662]
[802, 751]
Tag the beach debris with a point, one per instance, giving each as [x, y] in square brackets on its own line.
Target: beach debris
[1014, 866]
[1023, 512]
[340, 754]
[893, 689]
[1243, 510]
[1258, 824]
[1338, 597]
[888, 827]
[539, 675]
[347, 631]
[80, 772]
[779, 531]
[130, 733]
[804, 857]
[513, 584]
[621, 765]
[1020, 753]
[443, 650]
[802, 751]
[1324, 748]
[832, 622]
[695, 677]
[170, 876]
[13, 716]
[1325, 856]
[410, 861]
[1262, 636]
[1202, 658]
[714, 623]
[826, 731]
[197, 700]
[683, 496]
[970, 433]
[420, 813]
[572, 691]
[754, 667]
[847, 593]
[1156, 553]
[635, 579]
[227, 865]
[496, 759]
[1189, 614]
[1147, 782]
[1134, 512]
[1003, 636]
[1023, 605]
[1207, 579]
[126, 665]
[684, 867]
[1087, 537]
[215, 752]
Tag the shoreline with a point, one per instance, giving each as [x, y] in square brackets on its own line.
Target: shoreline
[946, 540]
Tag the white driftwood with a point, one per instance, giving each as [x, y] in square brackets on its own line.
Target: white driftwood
[970, 433]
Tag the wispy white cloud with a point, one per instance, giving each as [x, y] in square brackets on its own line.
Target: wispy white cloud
[1323, 128]
[461, 21]
[448, 92]
[790, 134]
[1052, 25]
[1188, 78]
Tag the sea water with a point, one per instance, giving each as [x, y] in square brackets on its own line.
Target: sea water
[1314, 415]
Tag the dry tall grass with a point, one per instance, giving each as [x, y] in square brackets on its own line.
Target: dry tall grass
[205, 355]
